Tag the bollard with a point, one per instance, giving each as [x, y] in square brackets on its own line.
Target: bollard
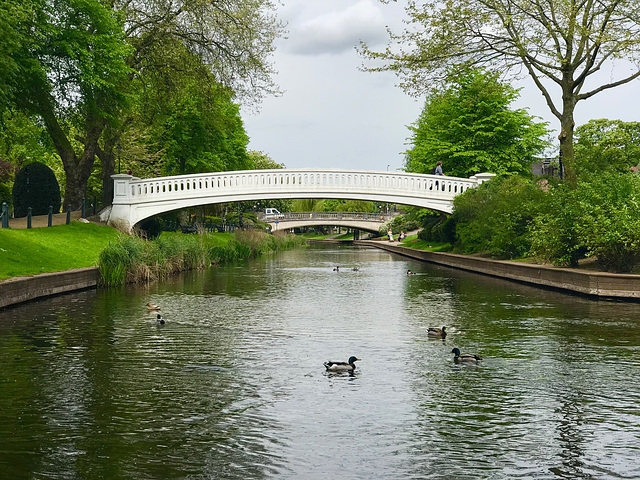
[5, 215]
[68, 214]
[84, 208]
[50, 219]
[29, 215]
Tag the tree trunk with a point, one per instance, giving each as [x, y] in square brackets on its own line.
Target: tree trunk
[108, 160]
[566, 135]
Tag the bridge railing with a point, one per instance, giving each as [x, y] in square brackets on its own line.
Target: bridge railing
[132, 190]
[295, 216]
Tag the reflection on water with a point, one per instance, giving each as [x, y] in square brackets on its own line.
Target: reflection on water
[233, 385]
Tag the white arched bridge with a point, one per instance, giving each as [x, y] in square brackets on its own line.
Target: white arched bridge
[135, 199]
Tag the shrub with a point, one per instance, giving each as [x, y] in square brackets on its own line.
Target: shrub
[35, 186]
[495, 217]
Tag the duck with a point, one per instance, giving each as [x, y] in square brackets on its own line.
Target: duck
[437, 332]
[151, 306]
[348, 366]
[409, 272]
[465, 357]
[337, 269]
[160, 320]
[355, 269]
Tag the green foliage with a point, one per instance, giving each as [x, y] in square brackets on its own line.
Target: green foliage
[132, 259]
[438, 227]
[609, 221]
[404, 223]
[469, 127]
[262, 161]
[330, 205]
[604, 146]
[495, 217]
[35, 186]
[555, 233]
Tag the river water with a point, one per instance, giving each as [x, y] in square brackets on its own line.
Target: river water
[233, 386]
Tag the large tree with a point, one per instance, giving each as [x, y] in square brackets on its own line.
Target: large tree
[71, 75]
[470, 127]
[77, 63]
[558, 43]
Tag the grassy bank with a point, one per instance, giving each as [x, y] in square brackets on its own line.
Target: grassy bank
[52, 249]
[132, 260]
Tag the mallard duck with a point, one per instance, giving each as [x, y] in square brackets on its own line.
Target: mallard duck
[337, 269]
[349, 366]
[409, 272]
[355, 269]
[160, 320]
[437, 332]
[465, 357]
[151, 306]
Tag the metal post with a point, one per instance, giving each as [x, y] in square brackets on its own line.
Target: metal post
[50, 219]
[29, 215]
[68, 214]
[84, 208]
[5, 215]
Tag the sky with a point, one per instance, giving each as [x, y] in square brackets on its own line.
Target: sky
[332, 115]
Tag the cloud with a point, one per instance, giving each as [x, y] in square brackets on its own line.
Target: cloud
[338, 31]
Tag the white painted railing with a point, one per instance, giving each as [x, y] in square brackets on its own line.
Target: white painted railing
[135, 198]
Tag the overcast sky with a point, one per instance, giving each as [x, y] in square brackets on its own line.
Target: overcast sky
[331, 115]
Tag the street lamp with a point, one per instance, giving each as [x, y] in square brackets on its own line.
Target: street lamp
[388, 167]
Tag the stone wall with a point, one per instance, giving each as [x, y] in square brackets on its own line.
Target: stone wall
[22, 289]
[600, 284]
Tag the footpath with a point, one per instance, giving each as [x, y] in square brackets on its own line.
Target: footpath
[595, 284]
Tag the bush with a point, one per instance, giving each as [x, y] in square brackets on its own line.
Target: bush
[495, 217]
[35, 186]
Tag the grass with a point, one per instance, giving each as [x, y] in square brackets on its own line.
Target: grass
[412, 241]
[52, 249]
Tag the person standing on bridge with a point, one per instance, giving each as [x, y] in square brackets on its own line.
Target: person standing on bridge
[438, 170]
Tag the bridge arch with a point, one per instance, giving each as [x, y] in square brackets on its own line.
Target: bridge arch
[136, 199]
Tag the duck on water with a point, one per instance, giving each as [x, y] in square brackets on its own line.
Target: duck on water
[348, 366]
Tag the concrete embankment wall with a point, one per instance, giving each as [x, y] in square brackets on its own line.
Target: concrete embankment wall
[598, 284]
[22, 289]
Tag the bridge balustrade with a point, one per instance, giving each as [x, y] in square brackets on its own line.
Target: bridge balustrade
[171, 187]
[135, 198]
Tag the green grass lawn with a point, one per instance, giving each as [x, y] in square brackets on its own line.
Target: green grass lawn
[52, 249]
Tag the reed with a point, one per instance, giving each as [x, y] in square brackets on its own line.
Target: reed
[132, 259]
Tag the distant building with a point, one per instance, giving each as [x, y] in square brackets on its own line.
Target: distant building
[549, 166]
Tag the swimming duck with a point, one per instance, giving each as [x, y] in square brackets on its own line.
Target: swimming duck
[160, 319]
[355, 269]
[465, 357]
[151, 306]
[349, 366]
[409, 272]
[337, 269]
[437, 332]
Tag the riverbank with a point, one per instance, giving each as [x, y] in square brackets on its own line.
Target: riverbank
[78, 256]
[590, 283]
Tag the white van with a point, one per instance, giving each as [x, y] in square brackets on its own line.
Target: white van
[272, 214]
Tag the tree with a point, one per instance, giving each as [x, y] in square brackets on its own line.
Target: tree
[469, 127]
[557, 43]
[262, 161]
[72, 73]
[607, 146]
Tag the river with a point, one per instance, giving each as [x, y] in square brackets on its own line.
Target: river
[233, 386]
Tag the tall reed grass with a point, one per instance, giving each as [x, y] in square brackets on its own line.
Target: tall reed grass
[133, 260]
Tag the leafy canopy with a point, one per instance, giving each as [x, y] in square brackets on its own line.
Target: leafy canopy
[469, 126]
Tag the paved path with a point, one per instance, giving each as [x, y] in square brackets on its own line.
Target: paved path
[42, 220]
